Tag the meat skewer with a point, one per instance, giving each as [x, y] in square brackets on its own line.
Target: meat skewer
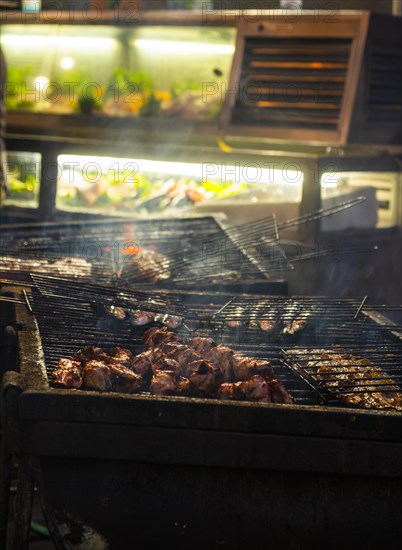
[169, 366]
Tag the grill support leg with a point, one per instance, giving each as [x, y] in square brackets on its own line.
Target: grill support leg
[23, 507]
[4, 491]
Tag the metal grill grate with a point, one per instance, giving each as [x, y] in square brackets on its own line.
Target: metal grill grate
[64, 330]
[338, 327]
[367, 377]
[103, 250]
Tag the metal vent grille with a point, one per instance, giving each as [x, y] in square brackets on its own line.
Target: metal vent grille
[292, 82]
[385, 95]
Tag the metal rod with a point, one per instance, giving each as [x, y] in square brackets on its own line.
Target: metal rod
[318, 214]
[11, 300]
[27, 302]
[188, 329]
[16, 283]
[360, 307]
[223, 307]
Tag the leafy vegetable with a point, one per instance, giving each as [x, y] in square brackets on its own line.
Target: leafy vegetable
[151, 108]
[125, 82]
[87, 104]
[180, 87]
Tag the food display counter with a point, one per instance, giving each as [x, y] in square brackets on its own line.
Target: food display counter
[173, 112]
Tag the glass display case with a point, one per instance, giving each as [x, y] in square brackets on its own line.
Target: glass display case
[117, 71]
[151, 186]
[23, 179]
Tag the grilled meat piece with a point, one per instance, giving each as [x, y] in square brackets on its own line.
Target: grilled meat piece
[258, 389]
[268, 325]
[124, 380]
[240, 391]
[142, 364]
[116, 312]
[242, 367]
[164, 382]
[147, 337]
[180, 353]
[295, 326]
[97, 376]
[221, 357]
[255, 389]
[233, 391]
[202, 379]
[120, 355]
[67, 375]
[279, 393]
[66, 364]
[233, 323]
[169, 346]
[200, 344]
[183, 386]
[245, 367]
[266, 318]
[147, 266]
[165, 363]
[90, 353]
[141, 318]
[170, 321]
[237, 358]
[154, 336]
[226, 391]
[355, 381]
[236, 319]
[264, 368]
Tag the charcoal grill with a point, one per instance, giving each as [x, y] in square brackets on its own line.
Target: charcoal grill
[291, 474]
